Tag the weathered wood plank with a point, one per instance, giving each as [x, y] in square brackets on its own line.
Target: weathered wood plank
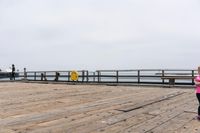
[174, 123]
[83, 109]
[88, 126]
[160, 119]
[190, 127]
[150, 101]
[154, 110]
[35, 118]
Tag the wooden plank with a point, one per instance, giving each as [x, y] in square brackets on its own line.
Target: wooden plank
[121, 125]
[152, 110]
[190, 127]
[107, 102]
[159, 120]
[112, 120]
[177, 77]
[62, 112]
[4, 130]
[62, 108]
[151, 101]
[174, 123]
[88, 126]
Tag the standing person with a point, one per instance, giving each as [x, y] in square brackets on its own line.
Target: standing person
[25, 74]
[13, 72]
[197, 83]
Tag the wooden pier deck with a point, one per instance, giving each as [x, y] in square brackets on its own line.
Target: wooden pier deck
[54, 108]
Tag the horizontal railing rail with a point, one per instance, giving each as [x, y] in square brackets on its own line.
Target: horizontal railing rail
[139, 76]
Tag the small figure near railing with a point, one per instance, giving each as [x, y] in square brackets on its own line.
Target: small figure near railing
[25, 74]
[12, 76]
[57, 76]
[43, 77]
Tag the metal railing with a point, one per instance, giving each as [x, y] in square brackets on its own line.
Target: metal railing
[136, 76]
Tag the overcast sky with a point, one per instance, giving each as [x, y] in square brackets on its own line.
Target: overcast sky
[99, 34]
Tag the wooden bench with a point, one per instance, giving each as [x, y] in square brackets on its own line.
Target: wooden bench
[173, 78]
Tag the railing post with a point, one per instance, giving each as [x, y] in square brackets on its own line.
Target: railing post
[192, 76]
[98, 72]
[138, 76]
[69, 76]
[35, 76]
[87, 76]
[25, 74]
[94, 76]
[163, 74]
[83, 75]
[42, 75]
[117, 76]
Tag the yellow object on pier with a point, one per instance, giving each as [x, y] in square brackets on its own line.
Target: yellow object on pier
[74, 75]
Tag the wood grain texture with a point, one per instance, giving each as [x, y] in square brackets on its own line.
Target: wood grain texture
[56, 108]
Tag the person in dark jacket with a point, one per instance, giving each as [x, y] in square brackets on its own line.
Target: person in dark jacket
[13, 72]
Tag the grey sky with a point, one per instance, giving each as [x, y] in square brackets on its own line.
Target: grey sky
[99, 34]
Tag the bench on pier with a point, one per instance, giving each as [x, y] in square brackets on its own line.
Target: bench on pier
[173, 78]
